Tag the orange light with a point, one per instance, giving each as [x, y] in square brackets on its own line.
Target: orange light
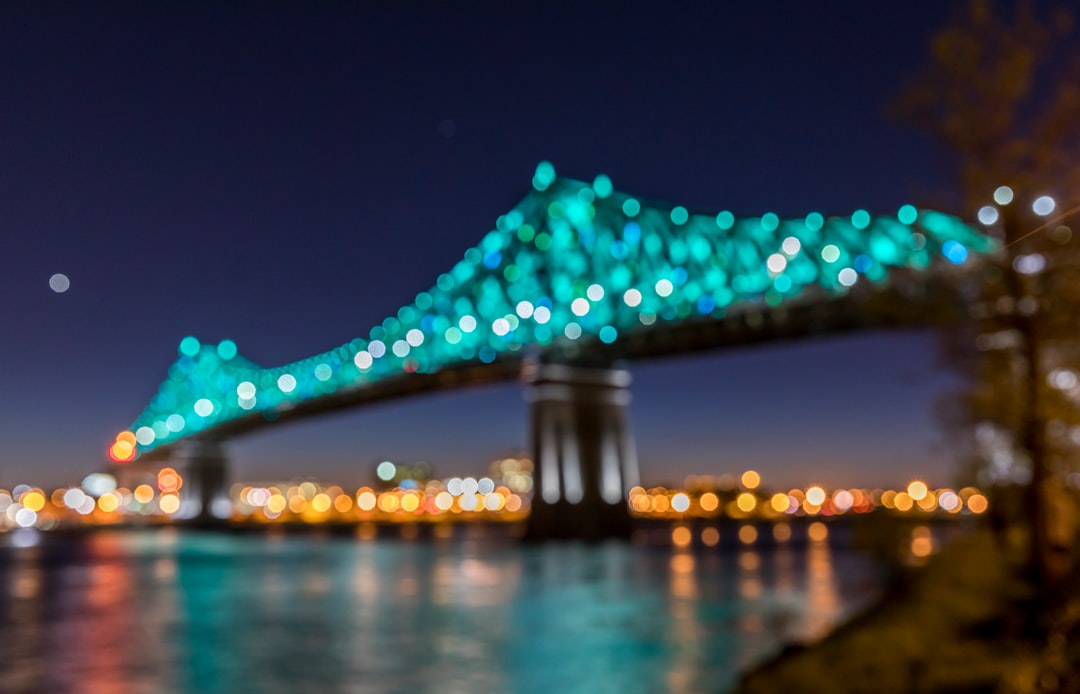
[126, 437]
[122, 451]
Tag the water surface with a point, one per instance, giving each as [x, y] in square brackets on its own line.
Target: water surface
[168, 611]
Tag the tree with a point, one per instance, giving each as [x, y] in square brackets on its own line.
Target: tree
[1001, 92]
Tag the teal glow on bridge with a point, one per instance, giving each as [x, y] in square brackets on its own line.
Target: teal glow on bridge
[573, 262]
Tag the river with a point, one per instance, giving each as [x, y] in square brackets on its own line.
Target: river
[156, 611]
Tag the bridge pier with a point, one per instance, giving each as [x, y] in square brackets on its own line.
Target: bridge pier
[583, 452]
[204, 498]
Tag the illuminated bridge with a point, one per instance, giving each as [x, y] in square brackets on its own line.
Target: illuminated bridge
[575, 279]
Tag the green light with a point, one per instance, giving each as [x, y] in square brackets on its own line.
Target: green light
[189, 346]
[860, 219]
[907, 214]
[679, 215]
[226, 349]
[602, 186]
[830, 253]
[631, 207]
[525, 233]
[544, 176]
[543, 242]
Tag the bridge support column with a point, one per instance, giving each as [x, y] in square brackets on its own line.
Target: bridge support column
[583, 453]
[204, 498]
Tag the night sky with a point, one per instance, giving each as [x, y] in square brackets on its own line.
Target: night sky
[289, 175]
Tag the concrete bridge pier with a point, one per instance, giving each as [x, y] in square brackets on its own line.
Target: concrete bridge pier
[204, 498]
[583, 452]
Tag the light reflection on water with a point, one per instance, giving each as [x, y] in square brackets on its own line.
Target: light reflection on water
[186, 612]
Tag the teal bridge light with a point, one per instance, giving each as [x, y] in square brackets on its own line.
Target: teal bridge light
[573, 264]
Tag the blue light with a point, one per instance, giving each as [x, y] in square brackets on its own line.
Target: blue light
[608, 334]
[705, 305]
[954, 251]
[863, 263]
[492, 260]
[632, 232]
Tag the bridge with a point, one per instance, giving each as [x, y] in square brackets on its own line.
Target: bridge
[573, 282]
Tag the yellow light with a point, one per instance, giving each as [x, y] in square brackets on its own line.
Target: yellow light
[144, 493]
[710, 537]
[928, 502]
[443, 501]
[746, 502]
[321, 503]
[748, 534]
[708, 502]
[815, 495]
[169, 503]
[780, 502]
[409, 503]
[388, 503]
[903, 502]
[817, 531]
[917, 490]
[276, 504]
[888, 499]
[751, 479]
[33, 500]
[366, 500]
[308, 490]
[108, 503]
[976, 503]
[680, 537]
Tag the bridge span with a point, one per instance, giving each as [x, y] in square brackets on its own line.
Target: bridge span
[572, 284]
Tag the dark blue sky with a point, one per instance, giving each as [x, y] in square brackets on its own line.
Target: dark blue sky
[287, 175]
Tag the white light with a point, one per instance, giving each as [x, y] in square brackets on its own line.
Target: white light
[175, 423]
[376, 348]
[776, 263]
[524, 309]
[1043, 205]
[542, 314]
[453, 485]
[485, 485]
[1031, 264]
[492, 502]
[664, 287]
[572, 331]
[847, 277]
[579, 307]
[469, 485]
[791, 245]
[59, 283]
[467, 324]
[386, 471]
[988, 215]
[205, 408]
[468, 502]
[632, 297]
[246, 403]
[74, 498]
[286, 383]
[680, 502]
[144, 436]
[245, 390]
[595, 292]
[400, 348]
[415, 337]
[363, 360]
[25, 517]
[1003, 195]
[500, 326]
[1062, 379]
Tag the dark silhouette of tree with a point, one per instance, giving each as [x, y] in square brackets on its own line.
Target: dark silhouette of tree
[1001, 92]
